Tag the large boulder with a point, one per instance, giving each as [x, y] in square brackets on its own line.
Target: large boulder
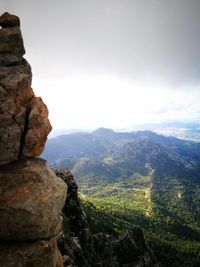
[31, 200]
[38, 129]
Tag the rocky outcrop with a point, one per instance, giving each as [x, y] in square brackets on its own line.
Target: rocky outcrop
[24, 123]
[74, 217]
[81, 248]
[31, 195]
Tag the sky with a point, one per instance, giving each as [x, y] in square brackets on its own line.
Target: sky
[113, 63]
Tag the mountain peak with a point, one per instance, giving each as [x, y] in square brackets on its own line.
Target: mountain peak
[103, 131]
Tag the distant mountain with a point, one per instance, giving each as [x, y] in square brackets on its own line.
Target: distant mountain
[138, 178]
[183, 130]
[110, 154]
[55, 133]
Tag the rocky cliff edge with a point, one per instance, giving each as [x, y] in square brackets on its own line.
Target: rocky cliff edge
[31, 195]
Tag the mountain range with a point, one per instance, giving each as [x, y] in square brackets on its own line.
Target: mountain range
[182, 130]
[112, 155]
[142, 178]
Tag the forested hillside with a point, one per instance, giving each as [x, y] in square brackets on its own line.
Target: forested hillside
[138, 178]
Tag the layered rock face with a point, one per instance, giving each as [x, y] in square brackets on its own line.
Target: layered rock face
[81, 248]
[31, 195]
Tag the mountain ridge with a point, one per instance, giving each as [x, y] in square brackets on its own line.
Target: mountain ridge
[138, 178]
[105, 143]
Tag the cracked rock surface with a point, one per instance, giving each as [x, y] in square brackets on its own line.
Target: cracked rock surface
[24, 124]
[31, 195]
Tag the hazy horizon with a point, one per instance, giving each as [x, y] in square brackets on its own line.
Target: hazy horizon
[113, 63]
[182, 130]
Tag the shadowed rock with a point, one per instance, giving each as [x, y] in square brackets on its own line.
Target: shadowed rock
[11, 45]
[15, 97]
[7, 20]
[81, 248]
[43, 253]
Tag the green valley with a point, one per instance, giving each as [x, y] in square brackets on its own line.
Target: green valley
[172, 231]
[138, 178]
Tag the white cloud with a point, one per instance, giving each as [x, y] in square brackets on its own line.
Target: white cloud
[90, 102]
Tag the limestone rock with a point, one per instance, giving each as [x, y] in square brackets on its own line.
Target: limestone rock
[7, 20]
[42, 253]
[38, 129]
[31, 200]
